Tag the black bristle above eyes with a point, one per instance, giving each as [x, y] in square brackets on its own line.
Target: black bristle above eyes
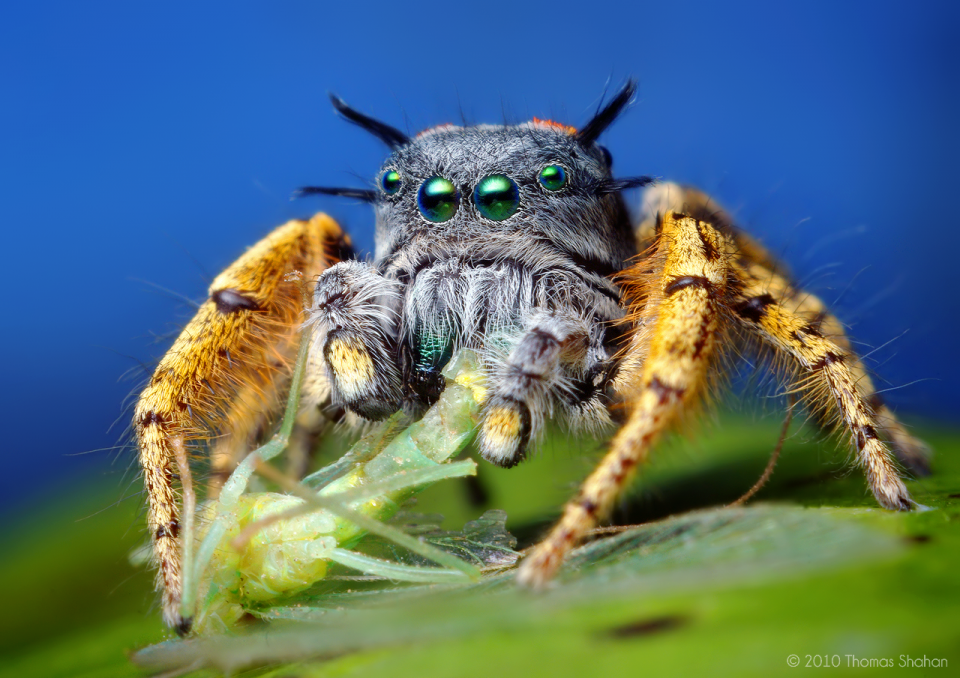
[391, 136]
[593, 129]
[359, 193]
[617, 185]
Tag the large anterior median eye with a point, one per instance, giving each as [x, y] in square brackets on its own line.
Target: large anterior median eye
[496, 197]
[438, 199]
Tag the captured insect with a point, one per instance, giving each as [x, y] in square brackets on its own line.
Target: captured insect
[513, 242]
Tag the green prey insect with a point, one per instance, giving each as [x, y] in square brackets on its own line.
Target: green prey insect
[250, 549]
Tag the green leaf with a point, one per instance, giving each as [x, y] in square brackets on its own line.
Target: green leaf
[703, 592]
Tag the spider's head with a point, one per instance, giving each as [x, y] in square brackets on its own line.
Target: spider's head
[536, 179]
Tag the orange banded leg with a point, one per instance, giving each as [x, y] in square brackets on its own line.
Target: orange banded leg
[237, 434]
[681, 285]
[911, 452]
[759, 268]
[240, 343]
[831, 377]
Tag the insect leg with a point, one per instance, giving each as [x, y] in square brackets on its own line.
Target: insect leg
[680, 287]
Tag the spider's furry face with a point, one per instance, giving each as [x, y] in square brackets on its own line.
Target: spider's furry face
[497, 238]
[531, 181]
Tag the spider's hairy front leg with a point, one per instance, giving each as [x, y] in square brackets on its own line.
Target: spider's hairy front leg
[521, 388]
[357, 312]
[236, 350]
[831, 375]
[674, 299]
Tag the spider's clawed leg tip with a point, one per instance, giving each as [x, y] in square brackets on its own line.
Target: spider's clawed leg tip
[535, 573]
[183, 626]
[895, 498]
[908, 503]
[498, 457]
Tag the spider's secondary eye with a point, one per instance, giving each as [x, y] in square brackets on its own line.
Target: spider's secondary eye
[496, 197]
[390, 182]
[438, 199]
[553, 177]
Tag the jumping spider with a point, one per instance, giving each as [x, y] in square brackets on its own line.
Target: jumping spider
[513, 241]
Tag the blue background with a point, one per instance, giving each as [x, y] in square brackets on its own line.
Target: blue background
[149, 144]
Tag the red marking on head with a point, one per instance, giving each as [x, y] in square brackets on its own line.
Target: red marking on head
[556, 125]
[437, 128]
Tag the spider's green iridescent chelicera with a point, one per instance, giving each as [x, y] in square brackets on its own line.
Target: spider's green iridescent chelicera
[496, 197]
[438, 199]
[553, 177]
[433, 351]
[390, 182]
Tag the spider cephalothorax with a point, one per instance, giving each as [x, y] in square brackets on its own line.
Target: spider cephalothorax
[496, 238]
[512, 241]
